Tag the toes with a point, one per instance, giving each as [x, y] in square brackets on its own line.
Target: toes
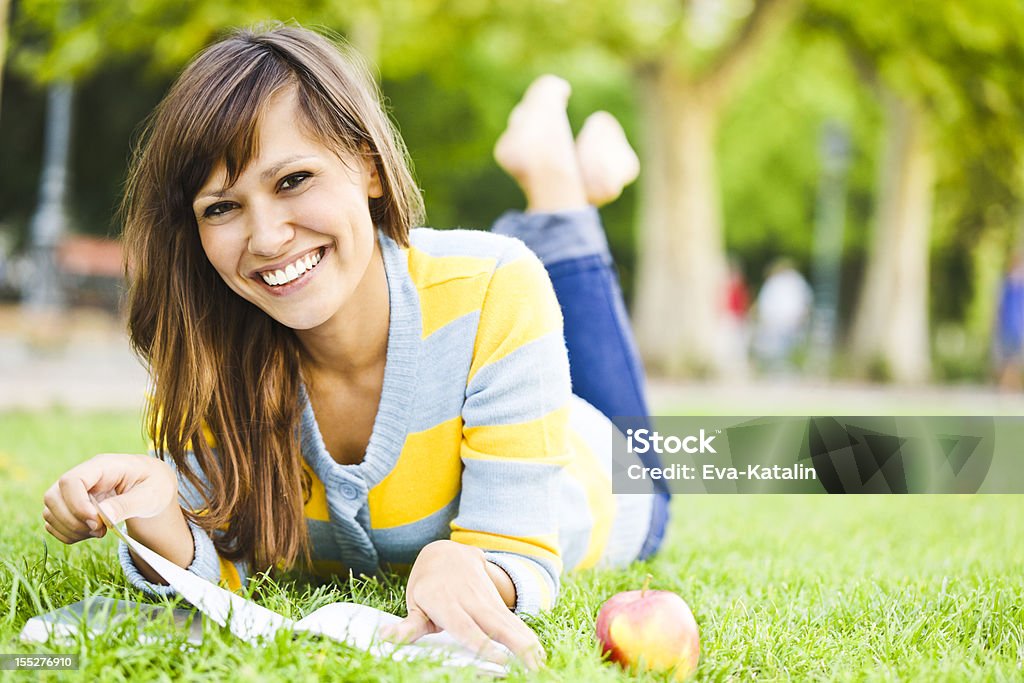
[607, 161]
[549, 88]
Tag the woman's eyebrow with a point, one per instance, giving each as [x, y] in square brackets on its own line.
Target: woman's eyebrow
[264, 176]
[276, 168]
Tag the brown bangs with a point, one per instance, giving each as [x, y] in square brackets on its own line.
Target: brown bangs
[222, 126]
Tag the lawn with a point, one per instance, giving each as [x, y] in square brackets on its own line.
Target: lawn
[783, 587]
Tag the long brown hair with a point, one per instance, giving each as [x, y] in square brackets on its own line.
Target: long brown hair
[216, 360]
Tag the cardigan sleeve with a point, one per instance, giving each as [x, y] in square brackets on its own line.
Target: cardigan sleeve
[207, 563]
[515, 418]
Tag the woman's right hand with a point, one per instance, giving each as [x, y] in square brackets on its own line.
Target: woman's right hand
[124, 485]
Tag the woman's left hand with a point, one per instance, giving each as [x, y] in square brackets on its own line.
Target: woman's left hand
[450, 590]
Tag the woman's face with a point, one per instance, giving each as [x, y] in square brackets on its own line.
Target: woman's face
[293, 235]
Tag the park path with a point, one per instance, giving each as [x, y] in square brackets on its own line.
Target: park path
[84, 362]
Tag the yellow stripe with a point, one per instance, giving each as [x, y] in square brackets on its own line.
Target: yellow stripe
[449, 286]
[206, 432]
[585, 468]
[527, 310]
[229, 575]
[427, 476]
[543, 547]
[540, 440]
[542, 582]
[316, 506]
[426, 270]
[211, 440]
[328, 568]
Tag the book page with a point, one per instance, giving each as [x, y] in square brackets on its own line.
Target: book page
[349, 623]
[245, 619]
[357, 625]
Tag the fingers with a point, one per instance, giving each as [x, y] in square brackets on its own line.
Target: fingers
[512, 632]
[60, 521]
[410, 629]
[74, 490]
[480, 631]
[134, 485]
[464, 629]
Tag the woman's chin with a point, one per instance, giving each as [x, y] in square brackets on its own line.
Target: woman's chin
[298, 320]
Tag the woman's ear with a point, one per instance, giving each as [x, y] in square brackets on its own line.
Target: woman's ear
[374, 189]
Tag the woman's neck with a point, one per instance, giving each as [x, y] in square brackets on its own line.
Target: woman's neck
[354, 340]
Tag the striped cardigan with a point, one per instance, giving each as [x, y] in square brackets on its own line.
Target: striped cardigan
[477, 438]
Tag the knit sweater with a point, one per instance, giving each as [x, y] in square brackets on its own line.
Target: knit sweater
[477, 437]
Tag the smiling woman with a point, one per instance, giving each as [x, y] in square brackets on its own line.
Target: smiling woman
[336, 390]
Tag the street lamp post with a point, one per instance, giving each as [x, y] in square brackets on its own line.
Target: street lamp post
[42, 291]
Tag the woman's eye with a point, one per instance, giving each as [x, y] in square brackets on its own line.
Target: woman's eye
[294, 180]
[218, 209]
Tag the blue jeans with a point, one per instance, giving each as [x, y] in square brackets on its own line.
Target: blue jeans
[603, 359]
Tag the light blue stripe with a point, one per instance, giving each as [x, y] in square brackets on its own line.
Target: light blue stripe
[402, 544]
[526, 384]
[323, 545]
[528, 593]
[472, 243]
[190, 496]
[512, 498]
[597, 432]
[575, 524]
[443, 369]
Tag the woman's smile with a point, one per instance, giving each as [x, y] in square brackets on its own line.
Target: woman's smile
[291, 274]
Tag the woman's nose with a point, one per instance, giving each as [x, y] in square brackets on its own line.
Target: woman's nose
[269, 233]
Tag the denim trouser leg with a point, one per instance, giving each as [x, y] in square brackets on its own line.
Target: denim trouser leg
[603, 360]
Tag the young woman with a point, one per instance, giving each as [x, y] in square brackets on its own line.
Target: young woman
[335, 390]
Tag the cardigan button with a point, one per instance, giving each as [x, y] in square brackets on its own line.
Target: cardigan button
[349, 492]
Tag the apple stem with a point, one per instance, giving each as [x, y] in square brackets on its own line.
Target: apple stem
[647, 583]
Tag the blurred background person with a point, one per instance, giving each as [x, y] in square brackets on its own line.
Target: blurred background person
[1008, 340]
[735, 329]
[780, 317]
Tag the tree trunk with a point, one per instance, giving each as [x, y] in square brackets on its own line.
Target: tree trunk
[681, 267]
[4, 11]
[890, 330]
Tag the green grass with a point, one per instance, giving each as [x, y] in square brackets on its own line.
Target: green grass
[783, 587]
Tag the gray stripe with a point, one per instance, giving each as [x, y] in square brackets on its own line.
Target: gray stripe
[528, 383]
[509, 498]
[446, 357]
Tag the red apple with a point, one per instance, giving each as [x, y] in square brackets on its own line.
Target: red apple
[649, 630]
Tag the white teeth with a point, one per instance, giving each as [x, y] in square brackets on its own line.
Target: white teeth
[292, 270]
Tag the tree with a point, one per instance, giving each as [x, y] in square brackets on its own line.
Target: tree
[4, 12]
[687, 60]
[947, 78]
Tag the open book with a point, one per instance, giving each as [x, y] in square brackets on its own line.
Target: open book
[350, 623]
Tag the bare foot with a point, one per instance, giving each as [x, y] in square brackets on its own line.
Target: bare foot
[607, 162]
[537, 148]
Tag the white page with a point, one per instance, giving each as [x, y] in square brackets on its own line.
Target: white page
[350, 623]
[357, 625]
[245, 619]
